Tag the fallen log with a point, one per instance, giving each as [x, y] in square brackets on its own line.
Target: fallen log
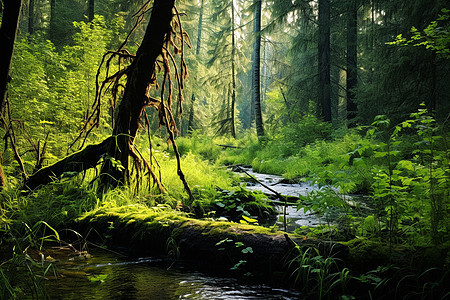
[76, 162]
[142, 231]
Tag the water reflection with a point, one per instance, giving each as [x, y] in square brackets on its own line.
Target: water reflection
[106, 276]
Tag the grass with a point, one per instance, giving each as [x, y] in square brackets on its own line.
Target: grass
[347, 161]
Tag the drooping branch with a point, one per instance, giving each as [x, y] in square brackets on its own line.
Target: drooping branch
[164, 36]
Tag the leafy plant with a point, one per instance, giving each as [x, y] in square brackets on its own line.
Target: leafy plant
[317, 275]
[242, 204]
[230, 246]
[23, 274]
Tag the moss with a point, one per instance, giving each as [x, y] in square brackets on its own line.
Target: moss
[367, 253]
[141, 223]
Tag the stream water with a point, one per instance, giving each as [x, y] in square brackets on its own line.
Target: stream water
[108, 276]
[295, 218]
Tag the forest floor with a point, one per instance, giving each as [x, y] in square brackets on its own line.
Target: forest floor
[352, 257]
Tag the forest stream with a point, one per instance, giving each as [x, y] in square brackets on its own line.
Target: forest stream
[105, 275]
[297, 217]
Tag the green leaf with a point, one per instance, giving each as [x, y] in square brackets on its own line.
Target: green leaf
[46, 122]
[239, 244]
[380, 154]
[98, 278]
[223, 241]
[247, 250]
[249, 220]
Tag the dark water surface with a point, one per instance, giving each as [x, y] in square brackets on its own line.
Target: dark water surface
[108, 276]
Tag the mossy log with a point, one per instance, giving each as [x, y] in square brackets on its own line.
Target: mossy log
[221, 245]
[76, 162]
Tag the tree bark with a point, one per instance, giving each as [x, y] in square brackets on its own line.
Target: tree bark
[31, 17]
[198, 240]
[199, 30]
[256, 67]
[139, 78]
[52, 19]
[8, 32]
[352, 79]
[91, 10]
[197, 53]
[324, 59]
[233, 70]
[76, 162]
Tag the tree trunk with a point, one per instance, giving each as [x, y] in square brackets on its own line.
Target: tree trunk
[8, 31]
[233, 70]
[199, 30]
[52, 19]
[352, 79]
[139, 77]
[91, 10]
[31, 17]
[197, 53]
[256, 67]
[191, 127]
[324, 59]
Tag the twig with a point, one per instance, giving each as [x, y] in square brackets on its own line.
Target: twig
[273, 191]
[229, 146]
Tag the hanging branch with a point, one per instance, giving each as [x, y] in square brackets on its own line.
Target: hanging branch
[166, 112]
[8, 125]
[163, 39]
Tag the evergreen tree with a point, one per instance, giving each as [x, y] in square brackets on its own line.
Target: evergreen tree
[256, 64]
[324, 54]
[352, 79]
[226, 59]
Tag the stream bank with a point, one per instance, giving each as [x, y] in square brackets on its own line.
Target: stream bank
[257, 254]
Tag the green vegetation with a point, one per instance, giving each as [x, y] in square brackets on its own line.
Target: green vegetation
[368, 133]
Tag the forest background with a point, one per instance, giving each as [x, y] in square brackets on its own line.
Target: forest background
[351, 94]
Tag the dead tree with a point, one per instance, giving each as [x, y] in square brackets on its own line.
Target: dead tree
[164, 32]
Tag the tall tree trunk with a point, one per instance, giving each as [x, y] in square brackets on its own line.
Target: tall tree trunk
[256, 68]
[233, 70]
[8, 32]
[52, 19]
[324, 59]
[199, 29]
[91, 6]
[139, 77]
[31, 17]
[197, 52]
[352, 79]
